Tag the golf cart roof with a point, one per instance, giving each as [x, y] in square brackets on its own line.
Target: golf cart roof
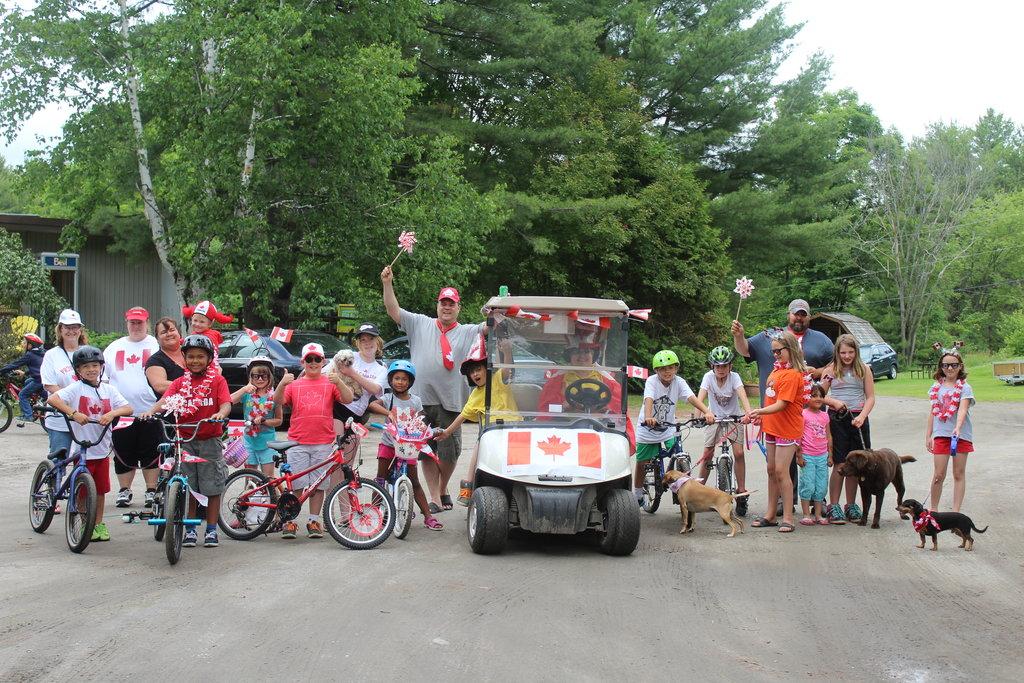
[557, 304]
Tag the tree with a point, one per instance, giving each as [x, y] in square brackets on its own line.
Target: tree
[259, 144]
[24, 283]
[911, 236]
[12, 198]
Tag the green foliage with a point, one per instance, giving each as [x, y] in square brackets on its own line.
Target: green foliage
[1012, 331]
[24, 283]
[102, 340]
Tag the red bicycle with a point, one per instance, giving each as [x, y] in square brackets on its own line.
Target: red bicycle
[358, 514]
[9, 402]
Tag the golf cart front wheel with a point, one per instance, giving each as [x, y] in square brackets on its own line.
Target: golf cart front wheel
[621, 523]
[487, 522]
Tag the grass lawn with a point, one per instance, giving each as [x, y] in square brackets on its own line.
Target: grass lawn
[987, 389]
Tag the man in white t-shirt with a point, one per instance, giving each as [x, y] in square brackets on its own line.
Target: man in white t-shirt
[135, 445]
[725, 393]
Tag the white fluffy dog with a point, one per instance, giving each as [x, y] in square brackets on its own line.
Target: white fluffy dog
[343, 358]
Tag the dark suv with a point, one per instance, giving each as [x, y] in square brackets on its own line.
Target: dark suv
[880, 358]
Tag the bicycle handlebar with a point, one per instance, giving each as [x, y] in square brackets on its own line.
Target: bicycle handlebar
[174, 434]
[71, 432]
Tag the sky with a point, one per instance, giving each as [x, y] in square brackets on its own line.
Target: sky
[914, 61]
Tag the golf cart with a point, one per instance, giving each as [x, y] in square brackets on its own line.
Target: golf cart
[561, 463]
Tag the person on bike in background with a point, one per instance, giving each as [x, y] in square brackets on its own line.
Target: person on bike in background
[723, 390]
[31, 359]
[662, 391]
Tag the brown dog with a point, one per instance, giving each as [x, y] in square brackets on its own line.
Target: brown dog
[695, 497]
[875, 470]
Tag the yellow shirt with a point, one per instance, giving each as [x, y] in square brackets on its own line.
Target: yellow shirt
[502, 401]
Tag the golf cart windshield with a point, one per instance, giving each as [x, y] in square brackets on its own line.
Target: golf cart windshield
[568, 366]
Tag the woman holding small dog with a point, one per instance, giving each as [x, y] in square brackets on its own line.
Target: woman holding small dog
[782, 422]
[949, 433]
[363, 372]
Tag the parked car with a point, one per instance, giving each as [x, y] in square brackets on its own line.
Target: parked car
[880, 358]
[398, 349]
[238, 349]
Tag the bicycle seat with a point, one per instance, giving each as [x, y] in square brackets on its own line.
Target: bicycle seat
[58, 455]
[281, 446]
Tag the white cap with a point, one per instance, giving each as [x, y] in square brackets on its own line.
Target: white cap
[69, 317]
[312, 349]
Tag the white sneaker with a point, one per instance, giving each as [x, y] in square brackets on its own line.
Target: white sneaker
[124, 498]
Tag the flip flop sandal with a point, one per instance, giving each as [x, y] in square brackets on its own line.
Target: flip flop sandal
[761, 521]
[434, 508]
[807, 521]
[432, 524]
[823, 522]
[446, 502]
[786, 528]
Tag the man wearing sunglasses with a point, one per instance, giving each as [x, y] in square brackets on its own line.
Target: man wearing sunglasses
[817, 348]
[312, 398]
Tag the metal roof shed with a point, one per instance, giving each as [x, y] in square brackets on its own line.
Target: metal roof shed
[835, 324]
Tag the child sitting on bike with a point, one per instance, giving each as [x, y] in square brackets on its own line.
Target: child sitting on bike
[661, 393]
[200, 394]
[312, 397]
[257, 398]
[503, 403]
[400, 407]
[723, 390]
[31, 359]
[85, 400]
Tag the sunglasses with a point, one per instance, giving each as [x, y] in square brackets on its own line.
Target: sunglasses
[260, 375]
[312, 359]
[949, 366]
[777, 352]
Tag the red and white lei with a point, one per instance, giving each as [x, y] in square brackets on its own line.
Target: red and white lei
[186, 402]
[950, 409]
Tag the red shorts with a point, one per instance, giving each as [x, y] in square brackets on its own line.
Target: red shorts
[940, 446]
[100, 471]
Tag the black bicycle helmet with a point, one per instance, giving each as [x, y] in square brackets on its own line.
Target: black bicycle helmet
[86, 354]
[197, 341]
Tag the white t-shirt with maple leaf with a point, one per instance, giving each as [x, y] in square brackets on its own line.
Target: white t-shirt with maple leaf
[125, 369]
[93, 402]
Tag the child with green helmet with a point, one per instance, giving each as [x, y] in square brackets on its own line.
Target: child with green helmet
[723, 390]
[664, 388]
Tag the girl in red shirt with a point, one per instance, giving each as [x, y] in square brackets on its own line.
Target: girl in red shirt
[782, 422]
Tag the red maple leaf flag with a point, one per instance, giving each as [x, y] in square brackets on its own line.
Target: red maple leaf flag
[637, 372]
[281, 334]
[516, 312]
[573, 453]
[236, 428]
[596, 321]
[253, 335]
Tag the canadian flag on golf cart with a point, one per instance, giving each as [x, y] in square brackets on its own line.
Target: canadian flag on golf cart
[570, 452]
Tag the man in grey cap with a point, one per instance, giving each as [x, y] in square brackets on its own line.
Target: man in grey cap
[817, 348]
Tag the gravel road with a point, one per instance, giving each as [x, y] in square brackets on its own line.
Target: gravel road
[840, 603]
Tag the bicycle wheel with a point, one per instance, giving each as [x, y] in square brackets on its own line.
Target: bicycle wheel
[652, 488]
[81, 513]
[174, 513]
[238, 519]
[361, 517]
[724, 469]
[404, 500]
[6, 414]
[40, 498]
[158, 509]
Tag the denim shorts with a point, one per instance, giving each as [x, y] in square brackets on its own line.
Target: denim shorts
[261, 457]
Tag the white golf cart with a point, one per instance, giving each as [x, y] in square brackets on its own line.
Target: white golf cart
[561, 463]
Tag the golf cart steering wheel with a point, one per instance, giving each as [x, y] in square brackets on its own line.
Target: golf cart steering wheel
[591, 394]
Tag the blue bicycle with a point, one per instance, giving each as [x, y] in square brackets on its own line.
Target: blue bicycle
[49, 485]
[678, 459]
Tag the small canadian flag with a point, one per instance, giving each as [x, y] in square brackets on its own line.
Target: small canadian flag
[281, 334]
[637, 372]
[640, 313]
[252, 334]
[516, 312]
[596, 321]
[236, 428]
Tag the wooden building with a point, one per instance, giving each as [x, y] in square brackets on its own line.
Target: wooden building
[99, 284]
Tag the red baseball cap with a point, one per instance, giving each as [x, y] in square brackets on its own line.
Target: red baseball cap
[449, 293]
[136, 313]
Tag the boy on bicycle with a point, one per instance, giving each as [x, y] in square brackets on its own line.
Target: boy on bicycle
[89, 399]
[723, 390]
[31, 359]
[200, 394]
[312, 397]
[661, 393]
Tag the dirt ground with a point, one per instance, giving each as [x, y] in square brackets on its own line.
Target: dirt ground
[842, 603]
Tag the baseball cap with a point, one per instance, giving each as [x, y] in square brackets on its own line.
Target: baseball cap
[312, 349]
[449, 293]
[136, 313]
[799, 305]
[69, 317]
[368, 328]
